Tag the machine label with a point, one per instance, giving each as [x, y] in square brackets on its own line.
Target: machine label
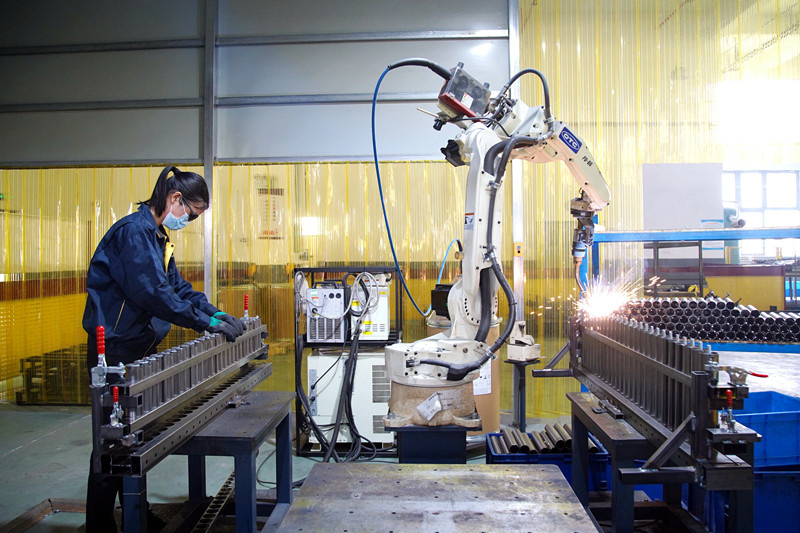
[469, 221]
[483, 384]
[570, 140]
[430, 406]
[450, 398]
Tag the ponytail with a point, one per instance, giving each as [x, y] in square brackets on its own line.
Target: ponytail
[192, 187]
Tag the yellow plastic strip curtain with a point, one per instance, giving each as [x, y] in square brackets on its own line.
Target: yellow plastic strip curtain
[51, 221]
[649, 81]
[653, 81]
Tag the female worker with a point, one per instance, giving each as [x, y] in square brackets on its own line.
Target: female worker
[135, 292]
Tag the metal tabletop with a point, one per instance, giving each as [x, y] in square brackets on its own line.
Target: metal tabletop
[617, 436]
[242, 429]
[355, 497]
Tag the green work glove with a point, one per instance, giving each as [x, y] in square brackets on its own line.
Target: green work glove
[220, 326]
[237, 324]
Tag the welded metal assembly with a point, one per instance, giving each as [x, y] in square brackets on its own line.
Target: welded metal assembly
[715, 319]
[667, 387]
[166, 398]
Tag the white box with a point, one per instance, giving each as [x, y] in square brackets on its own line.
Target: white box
[370, 401]
[324, 314]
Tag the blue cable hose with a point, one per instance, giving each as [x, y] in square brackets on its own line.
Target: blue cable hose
[383, 205]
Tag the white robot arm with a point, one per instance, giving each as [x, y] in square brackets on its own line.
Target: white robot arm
[507, 129]
[495, 130]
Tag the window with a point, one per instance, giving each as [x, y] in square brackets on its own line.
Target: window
[766, 199]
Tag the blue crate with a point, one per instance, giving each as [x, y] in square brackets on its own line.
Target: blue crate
[768, 402]
[598, 462]
[776, 494]
[777, 418]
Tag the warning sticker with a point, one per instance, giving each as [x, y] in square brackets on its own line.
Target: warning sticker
[469, 221]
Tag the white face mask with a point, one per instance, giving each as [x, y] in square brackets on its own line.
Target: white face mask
[175, 223]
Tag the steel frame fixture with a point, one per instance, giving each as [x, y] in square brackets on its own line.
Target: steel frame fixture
[166, 398]
[667, 388]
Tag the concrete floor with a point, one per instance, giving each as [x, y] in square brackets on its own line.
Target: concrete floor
[783, 370]
[44, 451]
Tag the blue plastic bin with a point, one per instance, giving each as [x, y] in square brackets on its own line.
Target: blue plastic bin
[598, 462]
[776, 417]
[776, 502]
[769, 402]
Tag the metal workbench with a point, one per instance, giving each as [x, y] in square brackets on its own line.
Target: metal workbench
[237, 432]
[624, 445]
[400, 498]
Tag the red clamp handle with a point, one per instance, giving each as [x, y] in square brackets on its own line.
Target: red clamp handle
[101, 340]
[729, 397]
[116, 394]
[246, 302]
[756, 374]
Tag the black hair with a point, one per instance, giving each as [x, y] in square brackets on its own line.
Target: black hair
[192, 187]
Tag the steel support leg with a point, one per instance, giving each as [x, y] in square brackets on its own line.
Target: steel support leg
[197, 478]
[580, 460]
[518, 400]
[283, 461]
[741, 503]
[621, 499]
[134, 504]
[283, 476]
[245, 490]
[672, 494]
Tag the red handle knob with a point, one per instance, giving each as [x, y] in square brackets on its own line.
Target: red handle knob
[101, 340]
[729, 397]
[246, 302]
[116, 394]
[756, 374]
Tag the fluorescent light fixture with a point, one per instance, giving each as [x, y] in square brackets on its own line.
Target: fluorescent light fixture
[482, 49]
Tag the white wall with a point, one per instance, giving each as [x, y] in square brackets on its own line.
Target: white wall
[317, 50]
[682, 196]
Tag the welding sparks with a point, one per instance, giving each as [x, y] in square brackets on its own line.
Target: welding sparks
[603, 298]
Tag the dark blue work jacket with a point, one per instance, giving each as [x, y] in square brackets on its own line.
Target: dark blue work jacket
[135, 291]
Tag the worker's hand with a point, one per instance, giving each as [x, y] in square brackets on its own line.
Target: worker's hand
[220, 326]
[238, 324]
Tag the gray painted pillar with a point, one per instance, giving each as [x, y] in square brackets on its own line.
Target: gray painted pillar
[209, 143]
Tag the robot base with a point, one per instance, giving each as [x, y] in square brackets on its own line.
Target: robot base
[405, 399]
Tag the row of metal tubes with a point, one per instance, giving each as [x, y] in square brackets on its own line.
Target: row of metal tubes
[790, 320]
[665, 398]
[732, 331]
[172, 386]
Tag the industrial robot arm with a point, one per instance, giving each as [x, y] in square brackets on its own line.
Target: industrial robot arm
[495, 130]
[535, 136]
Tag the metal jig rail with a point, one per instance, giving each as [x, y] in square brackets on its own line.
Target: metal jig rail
[168, 397]
[667, 387]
